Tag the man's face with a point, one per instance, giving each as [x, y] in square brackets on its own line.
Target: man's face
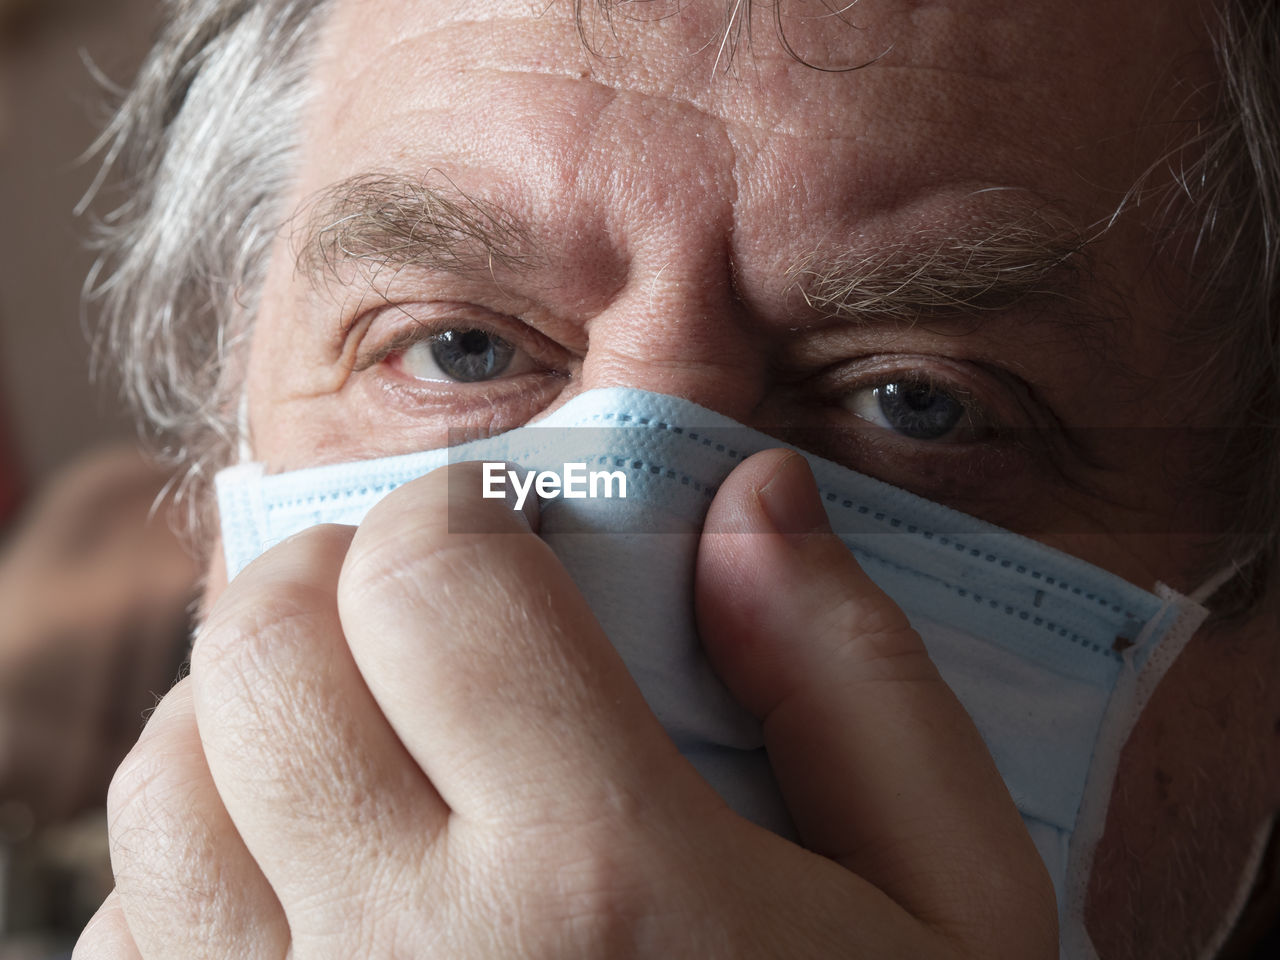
[795, 248]
[660, 222]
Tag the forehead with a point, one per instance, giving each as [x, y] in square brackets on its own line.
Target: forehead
[1067, 101]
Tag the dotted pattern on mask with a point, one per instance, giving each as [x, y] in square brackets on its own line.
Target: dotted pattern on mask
[895, 523]
[735, 455]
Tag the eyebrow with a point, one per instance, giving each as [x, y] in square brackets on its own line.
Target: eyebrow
[378, 221]
[1031, 256]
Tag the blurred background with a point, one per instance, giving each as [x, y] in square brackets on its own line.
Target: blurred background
[50, 111]
[95, 589]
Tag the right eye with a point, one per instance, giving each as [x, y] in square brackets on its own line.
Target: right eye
[464, 355]
[917, 409]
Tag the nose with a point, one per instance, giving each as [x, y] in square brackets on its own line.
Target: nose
[680, 332]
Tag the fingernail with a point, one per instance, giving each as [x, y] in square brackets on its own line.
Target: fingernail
[791, 500]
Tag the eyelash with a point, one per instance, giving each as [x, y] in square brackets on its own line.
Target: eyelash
[420, 323]
[991, 403]
[969, 383]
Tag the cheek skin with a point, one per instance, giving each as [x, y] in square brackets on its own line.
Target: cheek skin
[1197, 778]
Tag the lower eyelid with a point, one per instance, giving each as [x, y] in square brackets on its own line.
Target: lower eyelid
[512, 401]
[960, 474]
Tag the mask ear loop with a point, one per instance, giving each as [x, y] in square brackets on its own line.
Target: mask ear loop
[1134, 689]
[1159, 642]
[1224, 576]
[244, 447]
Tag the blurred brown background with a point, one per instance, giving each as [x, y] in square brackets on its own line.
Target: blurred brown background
[50, 112]
[51, 109]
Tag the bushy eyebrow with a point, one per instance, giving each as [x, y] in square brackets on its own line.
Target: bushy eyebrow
[362, 226]
[377, 221]
[1032, 256]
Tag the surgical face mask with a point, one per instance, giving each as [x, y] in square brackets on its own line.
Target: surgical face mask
[1053, 658]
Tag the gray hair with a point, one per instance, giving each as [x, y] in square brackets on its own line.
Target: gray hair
[205, 143]
[207, 140]
[1226, 206]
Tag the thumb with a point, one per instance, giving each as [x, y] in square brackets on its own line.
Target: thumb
[880, 766]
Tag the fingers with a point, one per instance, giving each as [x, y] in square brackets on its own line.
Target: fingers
[315, 780]
[880, 765]
[489, 664]
[185, 882]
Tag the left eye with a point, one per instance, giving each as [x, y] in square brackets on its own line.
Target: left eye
[463, 356]
[919, 410]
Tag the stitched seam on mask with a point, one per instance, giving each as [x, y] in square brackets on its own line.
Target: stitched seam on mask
[385, 486]
[828, 495]
[1009, 610]
[692, 435]
[1005, 563]
[639, 467]
[642, 467]
[315, 500]
[881, 517]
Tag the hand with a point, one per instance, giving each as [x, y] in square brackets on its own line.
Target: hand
[95, 591]
[401, 741]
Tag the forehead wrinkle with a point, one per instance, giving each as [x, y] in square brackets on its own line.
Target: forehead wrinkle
[476, 54]
[515, 45]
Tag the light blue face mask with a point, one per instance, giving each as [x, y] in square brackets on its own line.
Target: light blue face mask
[1053, 658]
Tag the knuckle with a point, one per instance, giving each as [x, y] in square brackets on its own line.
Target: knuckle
[436, 525]
[251, 670]
[424, 565]
[161, 845]
[873, 640]
[252, 627]
[284, 584]
[592, 895]
[130, 786]
[419, 502]
[156, 767]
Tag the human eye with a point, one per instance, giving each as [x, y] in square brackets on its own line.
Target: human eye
[954, 430]
[919, 408]
[463, 355]
[923, 404]
[457, 360]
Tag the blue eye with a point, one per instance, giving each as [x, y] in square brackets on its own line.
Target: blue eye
[462, 356]
[915, 409]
